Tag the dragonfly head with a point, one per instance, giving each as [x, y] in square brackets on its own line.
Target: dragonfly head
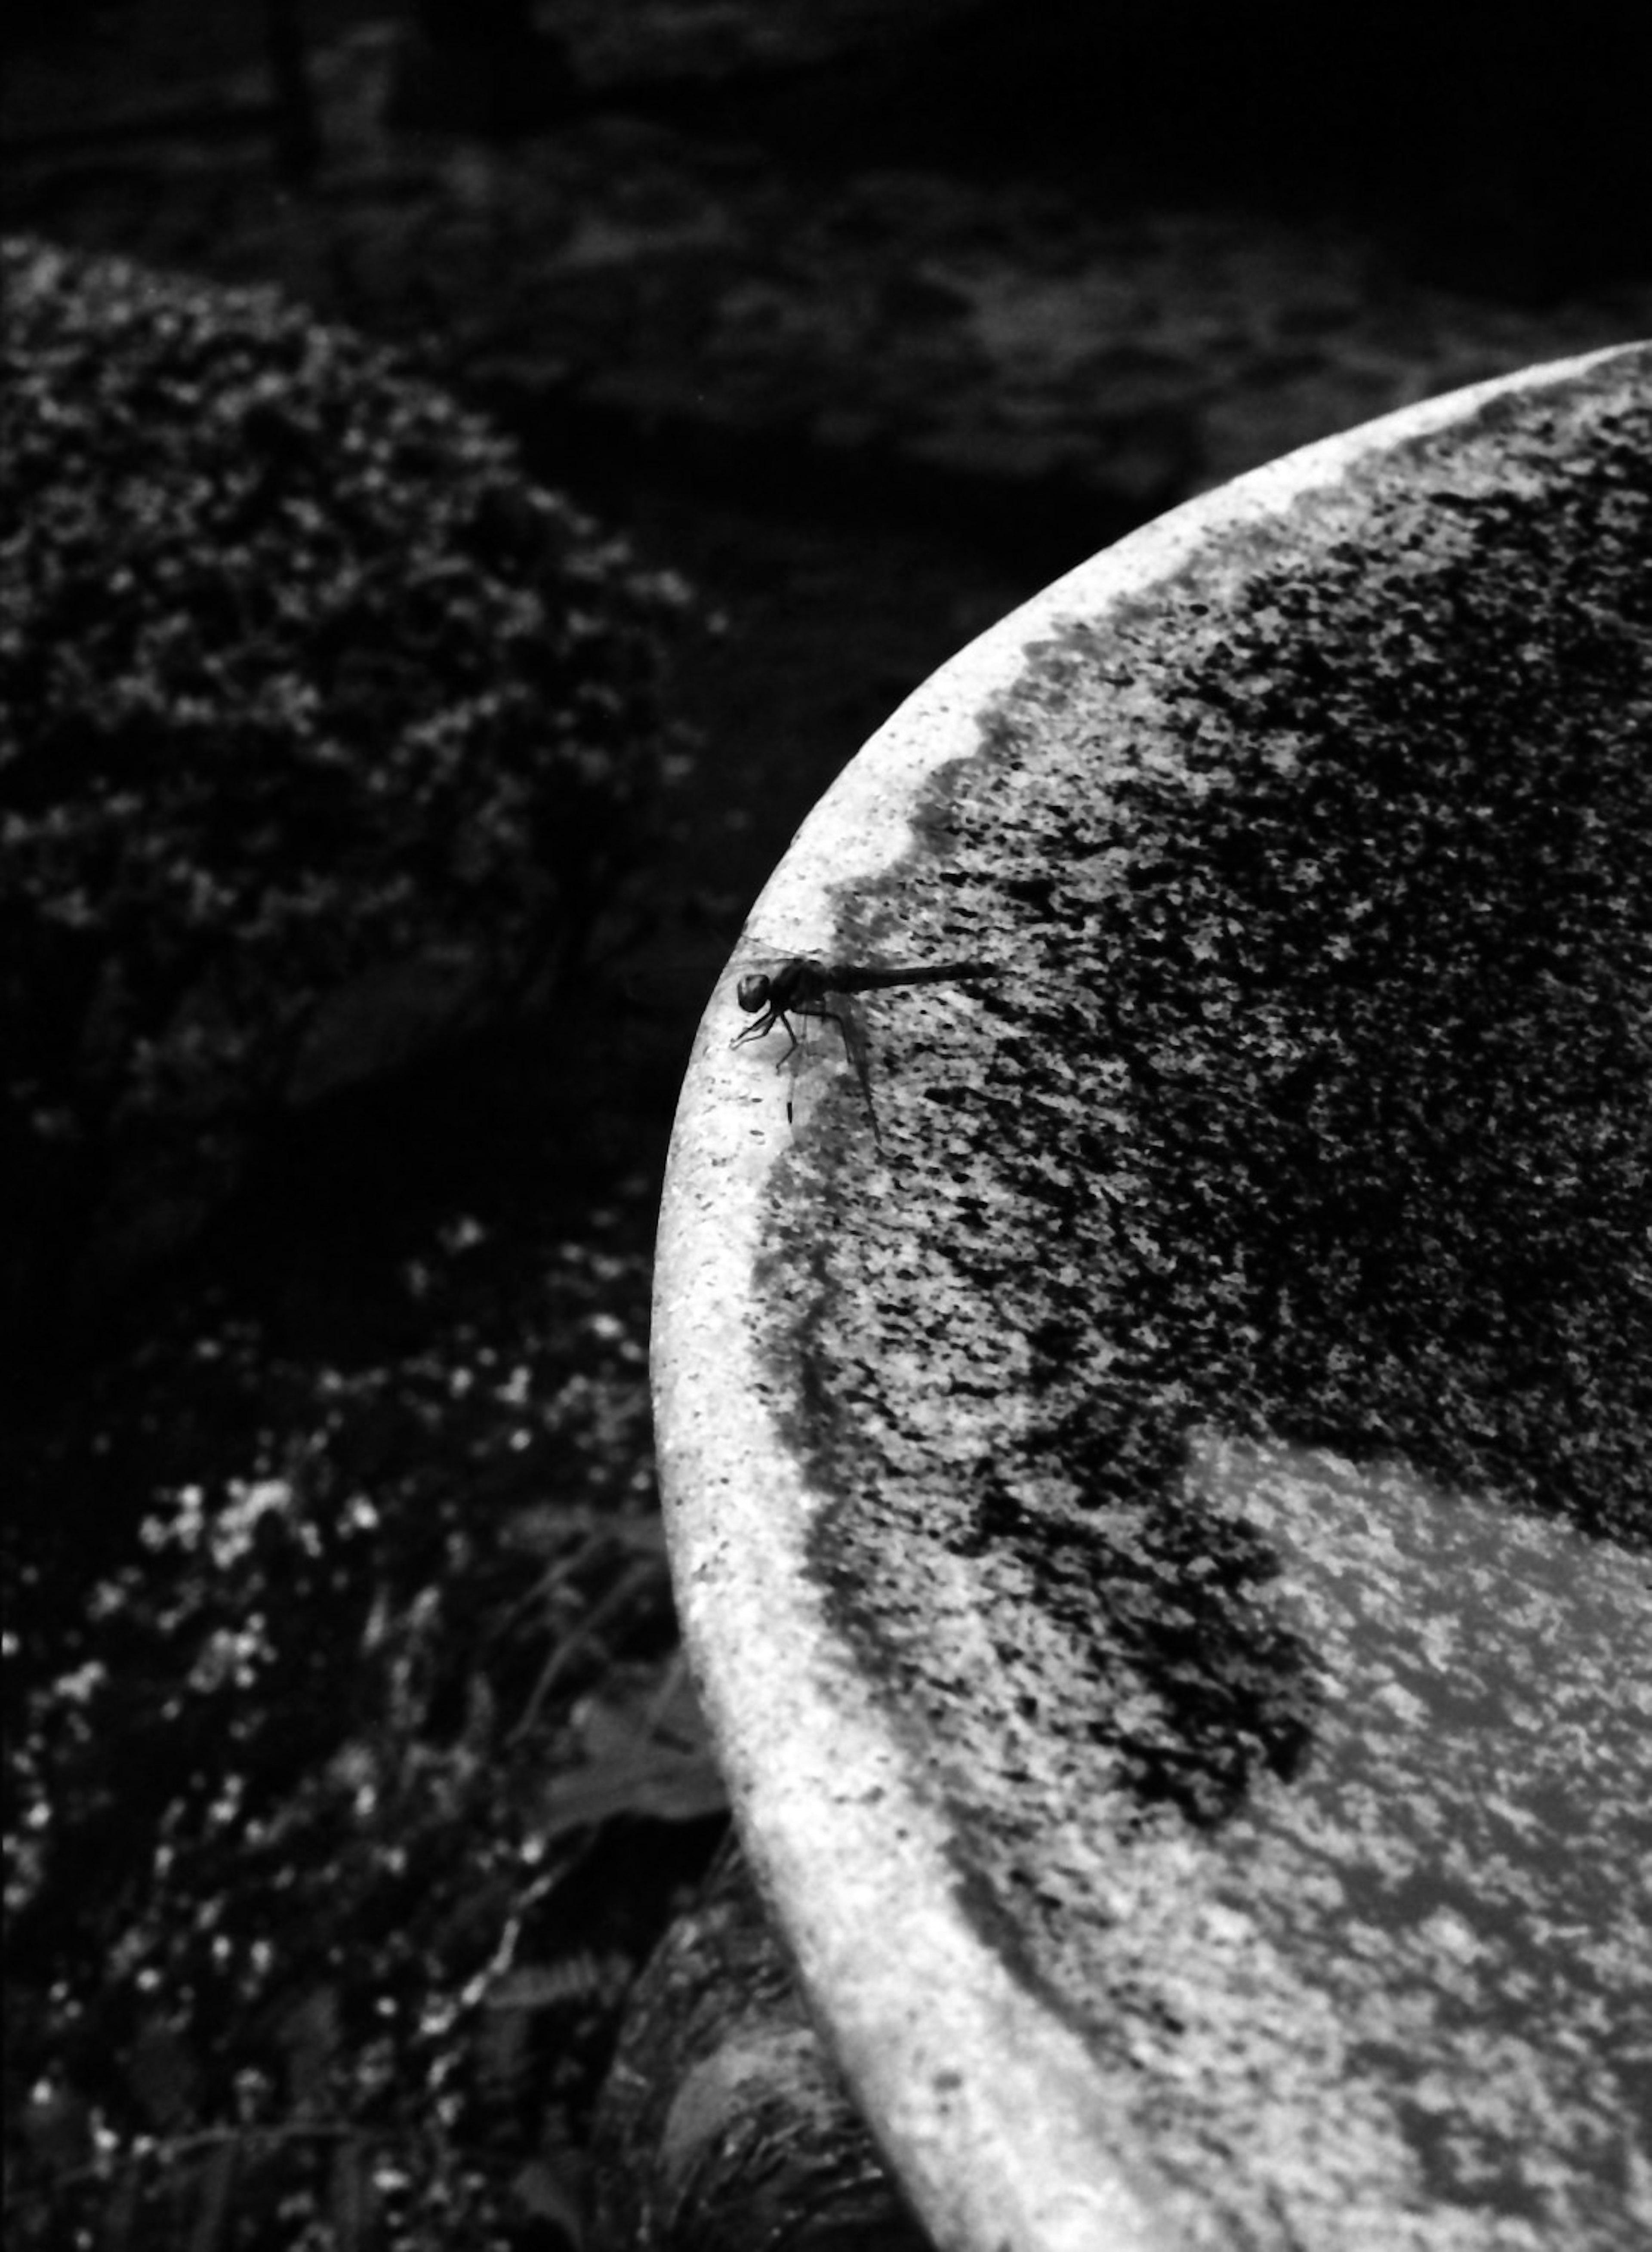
[752, 991]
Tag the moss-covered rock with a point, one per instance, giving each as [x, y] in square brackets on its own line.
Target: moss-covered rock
[309, 696]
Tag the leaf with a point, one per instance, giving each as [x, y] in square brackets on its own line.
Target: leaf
[482, 1712]
[164, 2076]
[57, 2126]
[309, 2032]
[661, 1708]
[545, 1528]
[657, 1784]
[501, 2044]
[351, 2194]
[550, 1529]
[545, 1986]
[548, 2197]
[120, 2213]
[217, 2179]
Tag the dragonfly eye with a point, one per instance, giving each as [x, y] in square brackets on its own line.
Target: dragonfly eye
[752, 992]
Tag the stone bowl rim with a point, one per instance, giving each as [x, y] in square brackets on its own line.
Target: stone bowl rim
[852, 1864]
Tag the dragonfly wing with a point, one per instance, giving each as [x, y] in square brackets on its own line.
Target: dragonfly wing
[858, 1050]
[814, 1062]
[833, 1018]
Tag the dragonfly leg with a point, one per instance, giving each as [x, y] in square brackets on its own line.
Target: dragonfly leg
[761, 1027]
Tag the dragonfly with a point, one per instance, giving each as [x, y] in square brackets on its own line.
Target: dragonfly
[800, 987]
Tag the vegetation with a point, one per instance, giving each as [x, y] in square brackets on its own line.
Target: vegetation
[319, 1786]
[342, 1669]
[305, 683]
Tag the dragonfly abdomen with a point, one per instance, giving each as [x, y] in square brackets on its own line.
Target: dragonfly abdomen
[854, 977]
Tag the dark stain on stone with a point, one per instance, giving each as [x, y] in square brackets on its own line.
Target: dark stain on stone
[1165, 1594]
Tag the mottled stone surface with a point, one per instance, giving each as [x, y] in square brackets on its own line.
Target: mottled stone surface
[1170, 1564]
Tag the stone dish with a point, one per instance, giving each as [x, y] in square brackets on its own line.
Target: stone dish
[1161, 1524]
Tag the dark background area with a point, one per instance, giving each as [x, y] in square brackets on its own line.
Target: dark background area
[705, 264]
[1491, 153]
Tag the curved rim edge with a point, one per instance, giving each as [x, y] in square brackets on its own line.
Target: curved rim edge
[854, 1864]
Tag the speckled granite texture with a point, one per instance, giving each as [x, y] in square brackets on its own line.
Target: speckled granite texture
[1242, 1487]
